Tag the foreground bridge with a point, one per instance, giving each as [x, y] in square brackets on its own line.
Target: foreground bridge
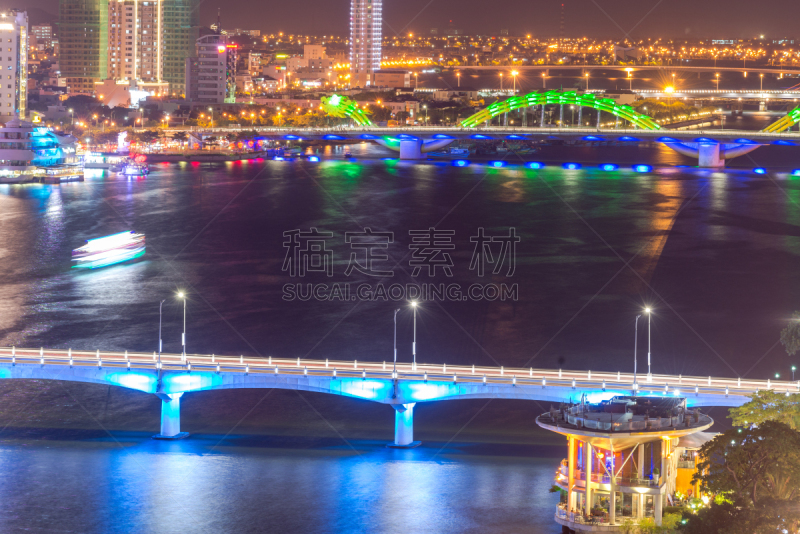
[171, 375]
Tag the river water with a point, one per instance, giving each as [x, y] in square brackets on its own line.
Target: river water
[716, 254]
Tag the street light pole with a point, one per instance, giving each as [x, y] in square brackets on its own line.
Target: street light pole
[182, 295]
[414, 343]
[160, 342]
[635, 345]
[394, 365]
[647, 311]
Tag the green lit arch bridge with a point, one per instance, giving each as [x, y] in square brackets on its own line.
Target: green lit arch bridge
[170, 376]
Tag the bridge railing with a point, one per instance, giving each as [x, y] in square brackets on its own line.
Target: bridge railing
[655, 384]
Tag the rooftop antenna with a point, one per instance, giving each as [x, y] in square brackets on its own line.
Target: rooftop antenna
[219, 24]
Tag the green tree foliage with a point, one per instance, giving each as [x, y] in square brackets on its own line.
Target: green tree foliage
[378, 113]
[180, 136]
[768, 405]
[748, 462]
[769, 517]
[790, 336]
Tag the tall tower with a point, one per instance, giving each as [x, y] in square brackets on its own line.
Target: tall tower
[561, 31]
[83, 40]
[14, 34]
[366, 19]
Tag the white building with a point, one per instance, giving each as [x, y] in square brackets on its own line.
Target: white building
[14, 65]
[365, 40]
[210, 77]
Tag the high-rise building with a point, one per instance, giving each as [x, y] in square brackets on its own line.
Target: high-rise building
[211, 74]
[180, 29]
[43, 33]
[134, 40]
[365, 40]
[14, 65]
[83, 38]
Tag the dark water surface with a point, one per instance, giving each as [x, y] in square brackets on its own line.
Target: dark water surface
[716, 254]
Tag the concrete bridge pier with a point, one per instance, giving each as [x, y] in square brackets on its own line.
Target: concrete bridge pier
[580, 115]
[709, 157]
[404, 427]
[170, 417]
[411, 149]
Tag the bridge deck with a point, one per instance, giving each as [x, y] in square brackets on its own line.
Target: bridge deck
[433, 373]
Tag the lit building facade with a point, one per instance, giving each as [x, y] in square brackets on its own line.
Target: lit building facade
[366, 19]
[211, 74]
[43, 35]
[83, 39]
[180, 29]
[134, 40]
[626, 458]
[143, 41]
[14, 65]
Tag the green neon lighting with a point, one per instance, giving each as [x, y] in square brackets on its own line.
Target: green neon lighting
[341, 106]
[564, 98]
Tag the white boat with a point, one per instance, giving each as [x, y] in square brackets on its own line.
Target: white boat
[109, 250]
[133, 168]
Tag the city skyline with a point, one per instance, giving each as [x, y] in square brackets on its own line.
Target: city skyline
[681, 18]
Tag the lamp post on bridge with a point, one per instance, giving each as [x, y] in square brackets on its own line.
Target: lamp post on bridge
[182, 295]
[514, 76]
[160, 342]
[414, 342]
[586, 75]
[647, 311]
[630, 78]
[635, 346]
[394, 365]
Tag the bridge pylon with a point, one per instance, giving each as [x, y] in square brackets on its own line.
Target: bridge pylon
[170, 417]
[404, 427]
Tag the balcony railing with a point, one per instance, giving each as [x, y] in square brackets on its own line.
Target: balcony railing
[604, 478]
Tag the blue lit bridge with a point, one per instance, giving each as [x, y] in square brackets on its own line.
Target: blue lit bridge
[401, 387]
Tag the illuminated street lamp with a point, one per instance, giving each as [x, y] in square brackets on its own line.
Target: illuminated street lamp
[394, 365]
[544, 80]
[762, 81]
[182, 295]
[586, 75]
[414, 343]
[635, 346]
[160, 342]
[501, 81]
[669, 90]
[717, 81]
[458, 78]
[649, 314]
[630, 77]
[514, 75]
[793, 370]
[212, 116]
[72, 114]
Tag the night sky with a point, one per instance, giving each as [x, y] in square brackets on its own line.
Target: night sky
[668, 18]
